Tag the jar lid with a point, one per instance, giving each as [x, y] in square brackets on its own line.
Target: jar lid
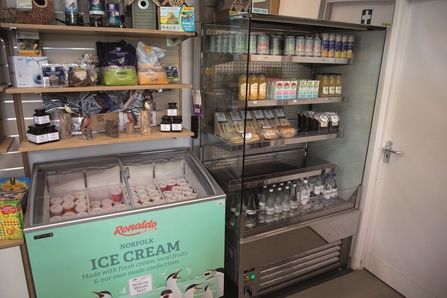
[38, 129]
[39, 110]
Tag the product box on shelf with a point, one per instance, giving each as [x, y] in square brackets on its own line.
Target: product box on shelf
[13, 195]
[25, 71]
[176, 19]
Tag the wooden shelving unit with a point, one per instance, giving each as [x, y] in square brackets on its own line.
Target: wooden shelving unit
[32, 90]
[5, 145]
[103, 139]
[10, 243]
[97, 31]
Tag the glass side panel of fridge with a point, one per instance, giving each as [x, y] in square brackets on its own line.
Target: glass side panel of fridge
[276, 113]
[86, 188]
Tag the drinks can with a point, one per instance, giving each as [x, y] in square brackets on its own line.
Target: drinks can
[338, 45]
[331, 53]
[350, 48]
[344, 46]
[224, 43]
[274, 45]
[308, 46]
[239, 43]
[218, 48]
[299, 46]
[325, 45]
[231, 41]
[262, 44]
[212, 43]
[289, 45]
[252, 44]
[317, 46]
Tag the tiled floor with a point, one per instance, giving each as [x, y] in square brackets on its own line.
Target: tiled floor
[353, 284]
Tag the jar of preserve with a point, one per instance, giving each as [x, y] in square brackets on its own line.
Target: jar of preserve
[53, 134]
[41, 117]
[37, 134]
[172, 109]
[165, 125]
[176, 125]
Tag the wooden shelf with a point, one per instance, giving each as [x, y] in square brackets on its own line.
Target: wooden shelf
[3, 87]
[10, 243]
[102, 139]
[98, 31]
[34, 90]
[5, 145]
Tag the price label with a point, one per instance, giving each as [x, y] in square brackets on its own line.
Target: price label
[280, 113]
[221, 117]
[258, 115]
[248, 115]
[269, 114]
[235, 116]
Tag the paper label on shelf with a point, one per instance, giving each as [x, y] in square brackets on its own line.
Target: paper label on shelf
[248, 115]
[235, 116]
[280, 113]
[258, 115]
[221, 117]
[269, 114]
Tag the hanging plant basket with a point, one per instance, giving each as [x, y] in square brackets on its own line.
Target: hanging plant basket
[41, 14]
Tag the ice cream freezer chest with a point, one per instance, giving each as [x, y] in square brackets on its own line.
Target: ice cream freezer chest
[150, 224]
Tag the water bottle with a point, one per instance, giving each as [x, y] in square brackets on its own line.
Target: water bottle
[270, 207]
[293, 198]
[263, 197]
[318, 186]
[278, 201]
[236, 204]
[305, 193]
[334, 187]
[327, 188]
[286, 206]
[250, 214]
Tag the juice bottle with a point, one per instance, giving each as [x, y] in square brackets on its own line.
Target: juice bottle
[242, 87]
[338, 85]
[252, 87]
[332, 84]
[324, 86]
[262, 86]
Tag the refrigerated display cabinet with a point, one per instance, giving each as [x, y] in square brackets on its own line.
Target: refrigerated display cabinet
[267, 250]
[132, 225]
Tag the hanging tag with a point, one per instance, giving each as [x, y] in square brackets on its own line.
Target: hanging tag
[197, 97]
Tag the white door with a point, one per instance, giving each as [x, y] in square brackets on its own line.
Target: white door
[402, 237]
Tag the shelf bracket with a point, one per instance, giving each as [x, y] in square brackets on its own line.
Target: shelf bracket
[172, 42]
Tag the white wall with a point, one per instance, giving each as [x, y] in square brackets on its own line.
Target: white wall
[299, 8]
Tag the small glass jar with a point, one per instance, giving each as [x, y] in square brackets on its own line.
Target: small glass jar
[177, 124]
[165, 125]
[41, 117]
[172, 109]
[37, 134]
[53, 134]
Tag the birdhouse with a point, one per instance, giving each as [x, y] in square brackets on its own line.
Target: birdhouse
[144, 14]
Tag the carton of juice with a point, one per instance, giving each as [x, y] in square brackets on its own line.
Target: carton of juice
[302, 89]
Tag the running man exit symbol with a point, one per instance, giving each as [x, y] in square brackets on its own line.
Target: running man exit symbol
[366, 16]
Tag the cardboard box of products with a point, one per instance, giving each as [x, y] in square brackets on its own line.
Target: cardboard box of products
[25, 71]
[98, 121]
[13, 194]
[176, 19]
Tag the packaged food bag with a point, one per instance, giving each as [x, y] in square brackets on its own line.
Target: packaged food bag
[117, 62]
[149, 69]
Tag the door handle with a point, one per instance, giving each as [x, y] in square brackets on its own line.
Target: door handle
[388, 150]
